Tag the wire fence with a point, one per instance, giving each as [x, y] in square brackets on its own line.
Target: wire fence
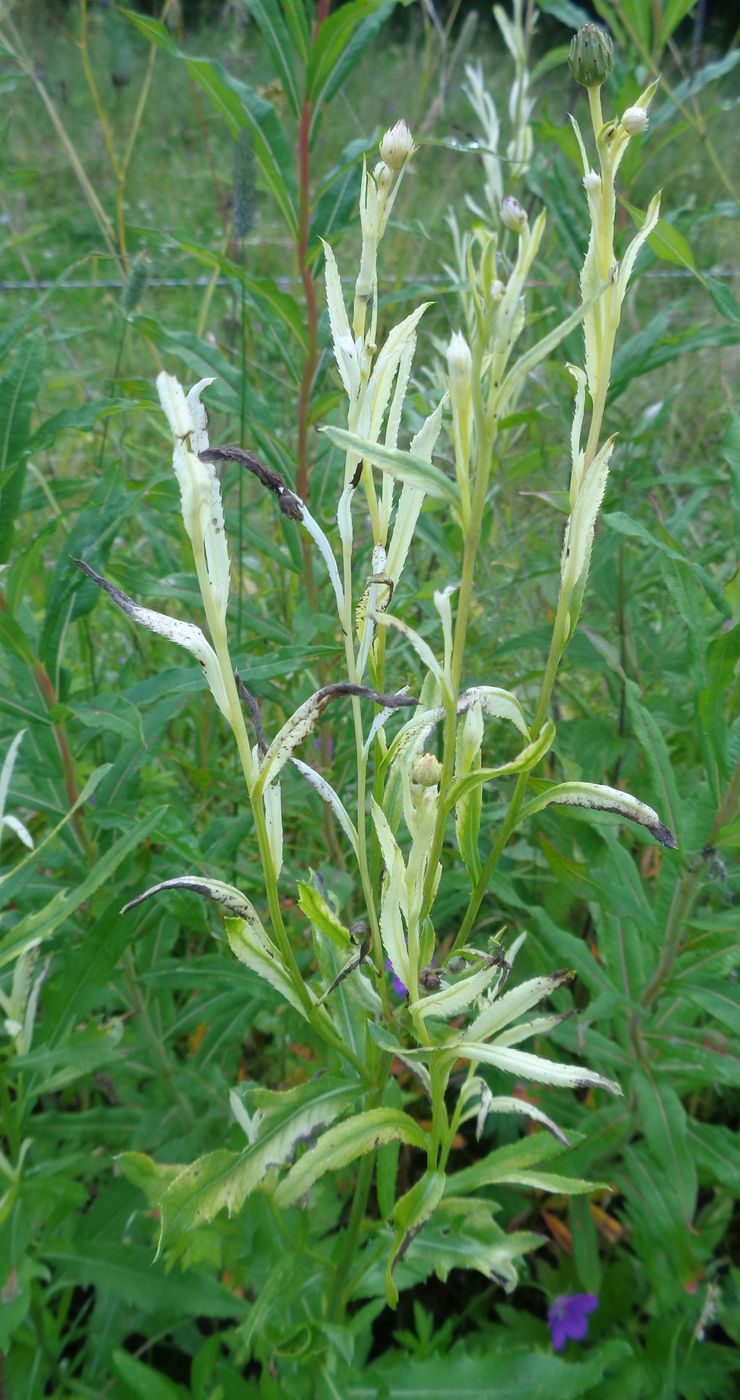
[285, 283]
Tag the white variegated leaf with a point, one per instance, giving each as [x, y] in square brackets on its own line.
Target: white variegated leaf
[505, 1009]
[328, 795]
[183, 634]
[453, 999]
[227, 896]
[600, 798]
[259, 954]
[526, 1066]
[343, 1144]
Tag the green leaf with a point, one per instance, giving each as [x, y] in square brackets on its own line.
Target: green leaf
[573, 16]
[127, 1271]
[716, 1152]
[404, 466]
[526, 1152]
[657, 757]
[82, 419]
[297, 22]
[144, 1383]
[318, 912]
[263, 291]
[510, 1372]
[274, 31]
[222, 1180]
[409, 1217]
[240, 106]
[665, 240]
[664, 1122]
[673, 12]
[339, 45]
[464, 1235]
[344, 1144]
[41, 923]
[623, 524]
[523, 763]
[18, 390]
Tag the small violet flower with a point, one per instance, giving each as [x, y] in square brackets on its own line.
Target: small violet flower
[397, 984]
[568, 1317]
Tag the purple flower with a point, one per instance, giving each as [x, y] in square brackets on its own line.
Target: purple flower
[396, 982]
[568, 1317]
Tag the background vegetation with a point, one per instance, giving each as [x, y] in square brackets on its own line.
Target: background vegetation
[139, 230]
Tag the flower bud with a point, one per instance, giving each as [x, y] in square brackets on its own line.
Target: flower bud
[591, 56]
[383, 175]
[513, 214]
[497, 289]
[470, 739]
[426, 771]
[459, 362]
[592, 182]
[397, 145]
[634, 121]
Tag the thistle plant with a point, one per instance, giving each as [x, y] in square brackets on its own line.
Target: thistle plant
[413, 786]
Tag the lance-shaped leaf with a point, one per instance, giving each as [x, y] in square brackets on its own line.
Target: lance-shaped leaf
[526, 1066]
[375, 400]
[251, 945]
[346, 348]
[527, 759]
[319, 913]
[183, 634]
[200, 490]
[344, 1144]
[410, 1215]
[541, 1025]
[628, 261]
[227, 896]
[222, 1180]
[450, 1001]
[412, 497]
[394, 901]
[579, 532]
[506, 1008]
[405, 466]
[503, 1103]
[599, 798]
[464, 1235]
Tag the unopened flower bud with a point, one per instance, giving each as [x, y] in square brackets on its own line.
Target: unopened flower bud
[513, 214]
[497, 289]
[456, 965]
[459, 362]
[591, 56]
[634, 121]
[397, 145]
[426, 771]
[383, 175]
[592, 182]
